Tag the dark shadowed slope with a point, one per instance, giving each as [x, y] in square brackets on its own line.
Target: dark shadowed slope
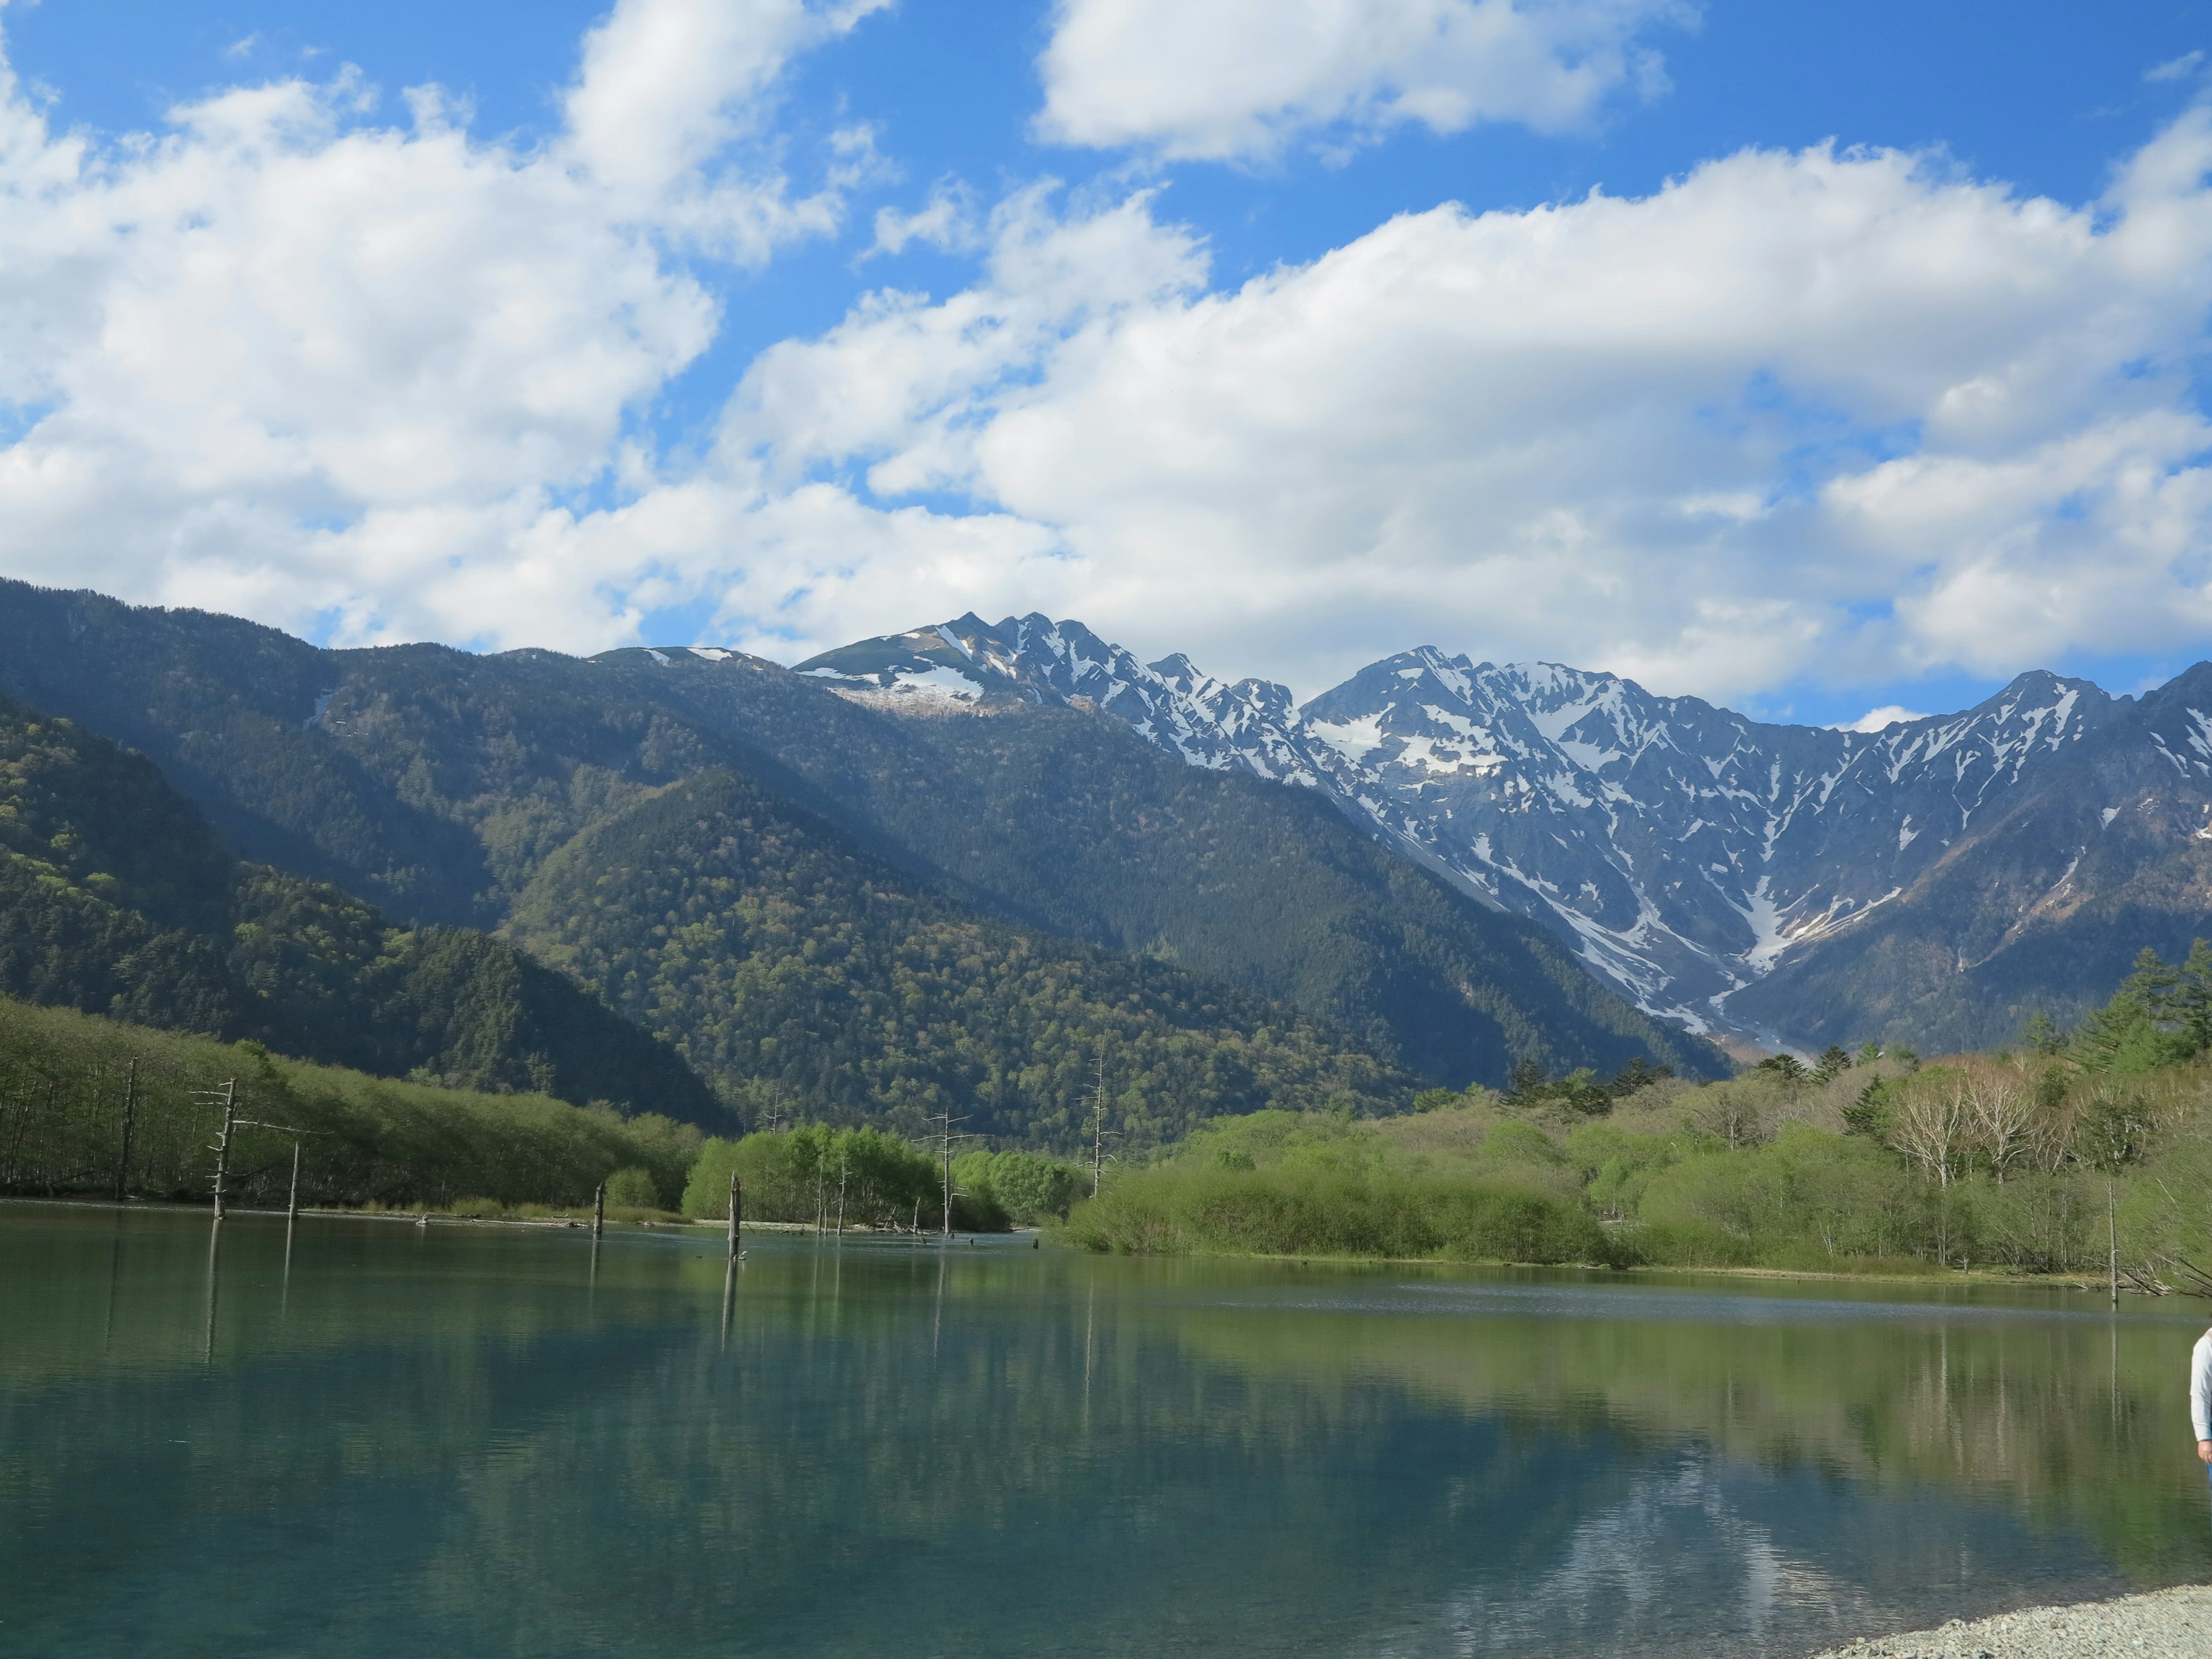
[117, 897]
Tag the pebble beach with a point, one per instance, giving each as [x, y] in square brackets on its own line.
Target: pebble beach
[2169, 1624]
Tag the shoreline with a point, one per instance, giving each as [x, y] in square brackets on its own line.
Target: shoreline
[668, 1223]
[2167, 1624]
[1933, 1276]
[671, 1223]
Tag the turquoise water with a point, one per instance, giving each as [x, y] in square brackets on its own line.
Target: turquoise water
[463, 1441]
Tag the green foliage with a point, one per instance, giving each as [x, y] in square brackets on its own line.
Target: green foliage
[777, 952]
[1305, 1209]
[799, 1175]
[2159, 1015]
[71, 1084]
[633, 1189]
[440, 784]
[1031, 1189]
[116, 898]
[1804, 1199]
[1579, 1092]
[1786, 1068]
[2001, 1160]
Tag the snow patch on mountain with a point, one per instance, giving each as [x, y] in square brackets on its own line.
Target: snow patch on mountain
[1683, 849]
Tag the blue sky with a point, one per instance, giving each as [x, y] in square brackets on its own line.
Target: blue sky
[1143, 366]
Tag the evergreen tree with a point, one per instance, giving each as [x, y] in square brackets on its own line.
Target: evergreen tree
[2140, 1029]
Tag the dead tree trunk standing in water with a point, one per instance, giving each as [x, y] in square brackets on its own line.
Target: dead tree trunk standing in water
[130, 1123]
[945, 1158]
[737, 1212]
[227, 1097]
[2112, 1237]
[599, 1210]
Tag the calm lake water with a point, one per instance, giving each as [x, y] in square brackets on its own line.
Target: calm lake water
[464, 1441]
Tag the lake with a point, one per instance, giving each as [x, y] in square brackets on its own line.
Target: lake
[455, 1441]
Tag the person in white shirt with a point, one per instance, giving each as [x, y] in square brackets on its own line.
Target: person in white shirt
[2200, 1399]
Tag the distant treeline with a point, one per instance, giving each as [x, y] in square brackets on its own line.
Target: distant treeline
[2042, 1159]
[89, 1105]
[862, 1177]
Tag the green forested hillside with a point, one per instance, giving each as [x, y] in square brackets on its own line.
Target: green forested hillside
[117, 897]
[807, 974]
[95, 1105]
[440, 785]
[1065, 821]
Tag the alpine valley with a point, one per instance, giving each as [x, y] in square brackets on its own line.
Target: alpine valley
[938, 873]
[813, 903]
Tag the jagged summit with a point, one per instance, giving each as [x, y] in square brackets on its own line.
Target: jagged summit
[1687, 850]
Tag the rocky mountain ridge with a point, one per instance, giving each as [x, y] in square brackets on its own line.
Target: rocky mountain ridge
[1688, 853]
[829, 910]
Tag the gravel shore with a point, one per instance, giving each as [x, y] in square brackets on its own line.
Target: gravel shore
[2172, 1624]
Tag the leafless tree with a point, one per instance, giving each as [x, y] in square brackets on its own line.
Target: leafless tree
[2001, 1113]
[1932, 1123]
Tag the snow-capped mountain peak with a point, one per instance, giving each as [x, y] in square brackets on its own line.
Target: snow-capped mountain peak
[1686, 849]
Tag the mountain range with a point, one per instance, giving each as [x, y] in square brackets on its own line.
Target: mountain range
[1933, 882]
[802, 899]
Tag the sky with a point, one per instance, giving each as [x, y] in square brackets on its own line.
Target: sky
[1815, 360]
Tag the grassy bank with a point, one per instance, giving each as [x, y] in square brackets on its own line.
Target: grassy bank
[90, 1105]
[2022, 1164]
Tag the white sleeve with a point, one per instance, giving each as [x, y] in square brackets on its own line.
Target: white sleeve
[2200, 1386]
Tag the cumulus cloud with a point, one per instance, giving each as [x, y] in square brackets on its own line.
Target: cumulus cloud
[1849, 415]
[1239, 80]
[1838, 413]
[285, 359]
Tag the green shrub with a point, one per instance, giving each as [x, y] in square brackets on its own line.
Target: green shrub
[796, 1174]
[1295, 1209]
[633, 1189]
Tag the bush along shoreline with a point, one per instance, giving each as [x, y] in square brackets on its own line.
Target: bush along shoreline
[2075, 1155]
[93, 1107]
[2085, 1155]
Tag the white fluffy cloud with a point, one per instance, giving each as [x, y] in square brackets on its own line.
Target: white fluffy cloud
[1831, 413]
[286, 360]
[1223, 79]
[1827, 412]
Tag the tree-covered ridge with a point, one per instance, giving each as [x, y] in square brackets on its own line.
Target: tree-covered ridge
[117, 897]
[806, 976]
[1065, 821]
[437, 784]
[95, 1105]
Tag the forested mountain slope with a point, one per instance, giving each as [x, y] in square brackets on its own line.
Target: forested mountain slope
[117, 897]
[810, 976]
[440, 783]
[1053, 815]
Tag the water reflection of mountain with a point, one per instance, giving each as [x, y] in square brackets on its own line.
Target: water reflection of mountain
[2022, 1401]
[474, 1443]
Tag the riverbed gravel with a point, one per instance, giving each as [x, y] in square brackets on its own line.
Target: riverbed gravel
[2170, 1624]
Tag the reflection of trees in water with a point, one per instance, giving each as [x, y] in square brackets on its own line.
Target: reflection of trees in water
[2067, 1421]
[538, 1469]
